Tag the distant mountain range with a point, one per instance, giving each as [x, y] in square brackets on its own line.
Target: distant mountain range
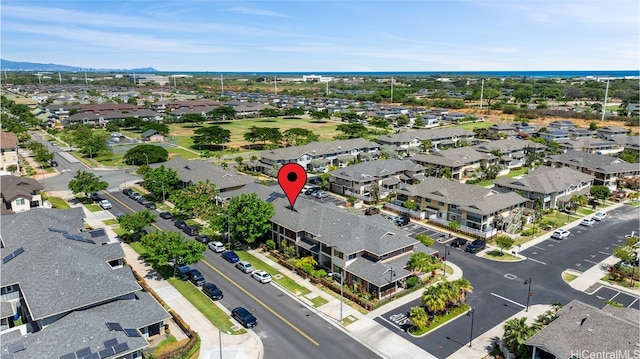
[35, 66]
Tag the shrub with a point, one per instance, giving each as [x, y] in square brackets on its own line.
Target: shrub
[271, 244]
[320, 273]
[412, 282]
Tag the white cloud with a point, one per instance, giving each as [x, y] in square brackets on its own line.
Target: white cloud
[254, 11]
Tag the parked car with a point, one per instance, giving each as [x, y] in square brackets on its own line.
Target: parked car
[476, 246]
[261, 276]
[599, 216]
[212, 291]
[142, 200]
[321, 194]
[53, 163]
[202, 238]
[96, 197]
[216, 246]
[127, 191]
[560, 234]
[190, 230]
[401, 221]
[588, 222]
[105, 204]
[135, 195]
[371, 211]
[244, 317]
[196, 277]
[150, 205]
[245, 266]
[180, 224]
[165, 215]
[230, 256]
[311, 191]
[184, 272]
[119, 216]
[458, 242]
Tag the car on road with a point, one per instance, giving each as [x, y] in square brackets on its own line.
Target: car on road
[184, 272]
[143, 201]
[476, 246]
[458, 242]
[216, 246]
[244, 317]
[180, 224]
[230, 256]
[588, 222]
[202, 238]
[135, 195]
[212, 291]
[53, 163]
[105, 204]
[261, 276]
[599, 216]
[96, 197]
[127, 191]
[190, 230]
[245, 266]
[165, 215]
[150, 205]
[560, 234]
[196, 277]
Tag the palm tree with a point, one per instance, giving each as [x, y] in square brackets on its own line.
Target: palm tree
[418, 317]
[449, 293]
[425, 146]
[433, 300]
[464, 288]
[516, 332]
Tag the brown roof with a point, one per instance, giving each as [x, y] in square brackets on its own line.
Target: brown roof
[8, 140]
[13, 187]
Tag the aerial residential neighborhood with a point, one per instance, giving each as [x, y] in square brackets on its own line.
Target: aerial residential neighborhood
[147, 221]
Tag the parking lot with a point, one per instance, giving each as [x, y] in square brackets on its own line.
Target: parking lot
[607, 293]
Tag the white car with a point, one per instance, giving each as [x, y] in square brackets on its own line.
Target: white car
[217, 247]
[560, 234]
[105, 204]
[599, 216]
[261, 276]
[245, 266]
[588, 222]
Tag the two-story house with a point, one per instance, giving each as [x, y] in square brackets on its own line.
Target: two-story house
[555, 135]
[68, 293]
[19, 194]
[609, 132]
[511, 152]
[8, 152]
[593, 145]
[506, 130]
[480, 211]
[462, 162]
[546, 186]
[438, 138]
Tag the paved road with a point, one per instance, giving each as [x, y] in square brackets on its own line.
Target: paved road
[286, 328]
[499, 289]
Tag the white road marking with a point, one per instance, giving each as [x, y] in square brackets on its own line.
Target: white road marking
[601, 252]
[537, 261]
[508, 300]
[635, 300]
[540, 248]
[385, 319]
[615, 295]
[586, 260]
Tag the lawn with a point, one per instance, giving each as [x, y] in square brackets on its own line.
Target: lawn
[471, 125]
[58, 202]
[181, 152]
[518, 172]
[318, 301]
[501, 256]
[439, 320]
[110, 222]
[288, 283]
[568, 277]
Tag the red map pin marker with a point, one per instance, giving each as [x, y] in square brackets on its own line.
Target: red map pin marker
[292, 178]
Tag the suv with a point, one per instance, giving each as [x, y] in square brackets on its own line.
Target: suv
[190, 230]
[245, 266]
[476, 246]
[217, 247]
[96, 196]
[560, 234]
[212, 291]
[105, 204]
[244, 317]
[180, 224]
[202, 238]
[458, 242]
[196, 277]
[401, 221]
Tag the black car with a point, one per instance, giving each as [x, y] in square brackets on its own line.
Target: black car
[458, 242]
[150, 205]
[196, 277]
[212, 291]
[143, 201]
[244, 317]
[202, 238]
[401, 221]
[180, 224]
[476, 246]
[127, 191]
[190, 230]
[96, 196]
[165, 215]
[53, 163]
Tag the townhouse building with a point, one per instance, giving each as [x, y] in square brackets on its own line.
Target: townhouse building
[593, 145]
[555, 135]
[549, 187]
[462, 162]
[438, 138]
[102, 118]
[480, 211]
[609, 132]
[502, 129]
[512, 152]
[66, 292]
[318, 156]
[19, 194]
[8, 152]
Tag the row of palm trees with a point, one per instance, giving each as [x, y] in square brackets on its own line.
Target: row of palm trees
[437, 299]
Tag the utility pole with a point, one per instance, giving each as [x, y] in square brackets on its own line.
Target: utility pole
[481, 93]
[606, 94]
[221, 85]
[392, 90]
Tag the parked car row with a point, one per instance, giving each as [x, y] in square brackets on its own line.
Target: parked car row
[139, 198]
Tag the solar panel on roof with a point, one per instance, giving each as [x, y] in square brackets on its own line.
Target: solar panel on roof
[105, 353]
[68, 356]
[98, 233]
[114, 327]
[13, 254]
[18, 251]
[121, 347]
[92, 356]
[52, 229]
[132, 332]
[15, 347]
[83, 352]
[110, 342]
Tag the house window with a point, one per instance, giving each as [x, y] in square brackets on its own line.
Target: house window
[338, 254]
[440, 203]
[428, 200]
[453, 206]
[352, 256]
[20, 201]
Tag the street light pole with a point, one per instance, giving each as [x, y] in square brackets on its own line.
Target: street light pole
[528, 281]
[392, 273]
[147, 157]
[472, 312]
[444, 261]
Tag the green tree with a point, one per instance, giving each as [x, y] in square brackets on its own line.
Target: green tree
[433, 299]
[418, 317]
[269, 112]
[12, 169]
[387, 151]
[425, 146]
[379, 122]
[424, 239]
[160, 127]
[136, 222]
[136, 155]
[490, 94]
[410, 204]
[87, 182]
[629, 156]
[250, 217]
[197, 201]
[318, 116]
[422, 262]
[112, 126]
[222, 113]
[351, 117]
[94, 145]
[163, 247]
[453, 225]
[299, 136]
[504, 242]
[194, 118]
[43, 156]
[626, 252]
[161, 179]
[516, 333]
[464, 288]
[445, 172]
[206, 136]
[600, 192]
[419, 122]
[352, 130]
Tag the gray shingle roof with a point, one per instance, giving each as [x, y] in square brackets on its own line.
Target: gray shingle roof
[594, 162]
[379, 168]
[374, 273]
[318, 149]
[426, 134]
[64, 274]
[13, 187]
[590, 330]
[546, 180]
[199, 170]
[508, 145]
[453, 157]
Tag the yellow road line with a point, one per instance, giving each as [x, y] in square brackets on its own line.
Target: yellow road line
[262, 303]
[131, 209]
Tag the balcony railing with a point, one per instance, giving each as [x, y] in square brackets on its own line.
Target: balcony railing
[472, 231]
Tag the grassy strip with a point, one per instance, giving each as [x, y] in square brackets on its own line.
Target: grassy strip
[318, 301]
[439, 320]
[176, 151]
[110, 222]
[568, 277]
[288, 283]
[501, 256]
[58, 202]
[166, 343]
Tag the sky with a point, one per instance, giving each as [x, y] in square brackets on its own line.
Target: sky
[326, 35]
